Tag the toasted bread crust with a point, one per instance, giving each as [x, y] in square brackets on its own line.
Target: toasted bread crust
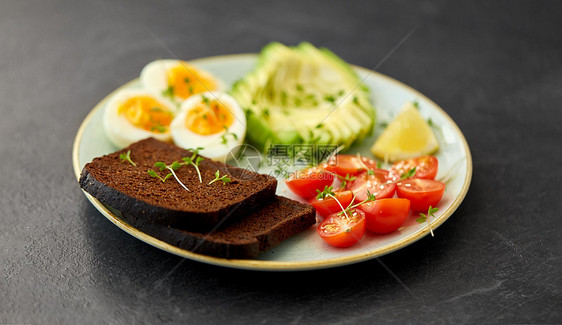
[127, 187]
[244, 238]
[239, 219]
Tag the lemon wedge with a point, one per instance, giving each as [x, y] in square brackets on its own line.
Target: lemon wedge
[407, 136]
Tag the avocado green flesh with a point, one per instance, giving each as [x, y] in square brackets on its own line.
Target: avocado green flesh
[303, 95]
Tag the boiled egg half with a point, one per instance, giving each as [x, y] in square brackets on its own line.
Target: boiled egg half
[178, 80]
[210, 120]
[135, 114]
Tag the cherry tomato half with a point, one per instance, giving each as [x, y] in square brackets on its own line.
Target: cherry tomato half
[426, 167]
[329, 205]
[386, 215]
[348, 164]
[341, 230]
[376, 182]
[422, 193]
[304, 183]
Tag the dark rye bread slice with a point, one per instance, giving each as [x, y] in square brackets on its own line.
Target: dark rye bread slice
[123, 186]
[244, 238]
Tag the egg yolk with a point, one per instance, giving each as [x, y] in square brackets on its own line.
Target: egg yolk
[147, 113]
[208, 117]
[185, 80]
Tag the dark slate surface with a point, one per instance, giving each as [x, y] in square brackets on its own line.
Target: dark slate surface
[495, 67]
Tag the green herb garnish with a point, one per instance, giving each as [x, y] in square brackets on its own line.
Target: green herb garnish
[224, 139]
[330, 99]
[328, 190]
[154, 174]
[349, 209]
[194, 160]
[127, 157]
[205, 100]
[159, 127]
[172, 168]
[423, 218]
[344, 180]
[408, 174]
[224, 178]
[169, 92]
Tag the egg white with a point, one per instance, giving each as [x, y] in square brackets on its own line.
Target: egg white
[212, 144]
[154, 76]
[117, 127]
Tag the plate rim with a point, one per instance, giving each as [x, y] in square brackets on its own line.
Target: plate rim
[276, 265]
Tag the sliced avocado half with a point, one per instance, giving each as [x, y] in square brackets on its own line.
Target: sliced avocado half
[304, 95]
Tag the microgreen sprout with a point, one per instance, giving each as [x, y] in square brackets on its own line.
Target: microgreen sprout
[344, 180]
[224, 139]
[410, 173]
[370, 198]
[194, 160]
[127, 157]
[205, 100]
[169, 92]
[172, 168]
[152, 173]
[208, 108]
[160, 128]
[225, 179]
[328, 190]
[423, 218]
